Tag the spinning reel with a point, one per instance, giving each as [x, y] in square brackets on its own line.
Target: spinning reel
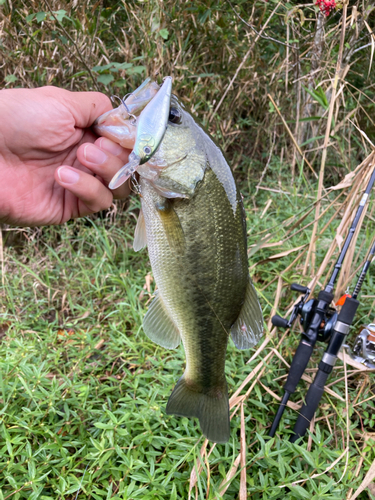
[364, 347]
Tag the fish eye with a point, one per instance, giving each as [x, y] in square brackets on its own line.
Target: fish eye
[147, 150]
[174, 115]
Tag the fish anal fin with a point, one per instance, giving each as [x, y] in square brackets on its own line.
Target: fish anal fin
[140, 237]
[158, 325]
[172, 226]
[212, 409]
[248, 328]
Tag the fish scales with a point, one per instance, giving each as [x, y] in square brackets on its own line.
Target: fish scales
[193, 223]
[202, 288]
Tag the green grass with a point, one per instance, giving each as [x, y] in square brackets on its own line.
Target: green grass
[82, 389]
[87, 421]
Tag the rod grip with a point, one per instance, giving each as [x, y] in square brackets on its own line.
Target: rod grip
[298, 366]
[348, 311]
[307, 412]
[279, 414]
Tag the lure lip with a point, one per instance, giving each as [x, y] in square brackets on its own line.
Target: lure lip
[151, 128]
[125, 172]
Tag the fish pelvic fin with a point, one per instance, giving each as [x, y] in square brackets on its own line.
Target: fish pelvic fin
[212, 409]
[158, 325]
[140, 237]
[248, 328]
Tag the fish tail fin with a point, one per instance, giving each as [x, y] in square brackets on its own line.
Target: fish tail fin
[211, 408]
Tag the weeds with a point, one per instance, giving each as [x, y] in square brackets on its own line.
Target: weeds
[82, 389]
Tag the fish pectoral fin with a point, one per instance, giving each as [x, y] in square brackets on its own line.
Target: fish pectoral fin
[211, 408]
[248, 327]
[140, 237]
[159, 327]
[172, 226]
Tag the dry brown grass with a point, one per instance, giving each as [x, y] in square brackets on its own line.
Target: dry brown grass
[255, 96]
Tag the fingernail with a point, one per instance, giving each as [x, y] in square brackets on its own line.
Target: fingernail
[94, 154]
[110, 146]
[67, 175]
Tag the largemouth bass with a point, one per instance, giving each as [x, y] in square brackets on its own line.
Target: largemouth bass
[194, 225]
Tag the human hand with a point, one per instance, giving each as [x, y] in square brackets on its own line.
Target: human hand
[52, 166]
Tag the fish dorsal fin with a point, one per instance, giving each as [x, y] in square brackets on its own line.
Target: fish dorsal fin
[248, 327]
[159, 327]
[140, 237]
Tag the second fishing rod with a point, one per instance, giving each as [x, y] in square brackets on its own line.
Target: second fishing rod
[339, 333]
[317, 317]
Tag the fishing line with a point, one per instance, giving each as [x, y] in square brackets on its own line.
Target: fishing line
[80, 486]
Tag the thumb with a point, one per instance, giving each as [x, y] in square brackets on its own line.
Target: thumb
[86, 107]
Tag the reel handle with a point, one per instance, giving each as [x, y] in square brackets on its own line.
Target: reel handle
[299, 288]
[279, 321]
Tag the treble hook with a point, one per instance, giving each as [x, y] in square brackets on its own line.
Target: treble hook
[136, 186]
[124, 104]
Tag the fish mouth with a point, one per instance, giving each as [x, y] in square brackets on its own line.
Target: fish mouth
[120, 124]
[139, 123]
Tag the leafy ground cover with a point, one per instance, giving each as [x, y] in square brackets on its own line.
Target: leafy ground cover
[82, 390]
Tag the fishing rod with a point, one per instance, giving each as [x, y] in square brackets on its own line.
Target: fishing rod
[340, 331]
[317, 317]
[361, 278]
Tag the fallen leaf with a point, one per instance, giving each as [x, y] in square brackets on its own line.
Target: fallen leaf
[99, 344]
[63, 334]
[4, 327]
[368, 479]
[346, 182]
[280, 255]
[85, 315]
[232, 472]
